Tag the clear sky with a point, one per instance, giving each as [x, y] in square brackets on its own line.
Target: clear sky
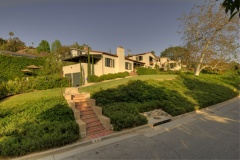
[138, 25]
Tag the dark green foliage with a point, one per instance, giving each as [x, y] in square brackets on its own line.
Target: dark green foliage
[49, 82]
[124, 115]
[109, 76]
[10, 67]
[146, 71]
[3, 90]
[36, 126]
[179, 96]
[23, 85]
[43, 47]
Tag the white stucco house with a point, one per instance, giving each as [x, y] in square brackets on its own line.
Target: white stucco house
[105, 63]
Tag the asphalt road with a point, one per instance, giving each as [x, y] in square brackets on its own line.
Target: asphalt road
[211, 134]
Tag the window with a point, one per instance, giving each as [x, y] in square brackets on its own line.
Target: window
[139, 58]
[109, 62]
[128, 66]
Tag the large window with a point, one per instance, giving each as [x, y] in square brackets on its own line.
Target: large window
[128, 66]
[109, 62]
[139, 58]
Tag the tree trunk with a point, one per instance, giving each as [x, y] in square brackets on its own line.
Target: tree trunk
[198, 68]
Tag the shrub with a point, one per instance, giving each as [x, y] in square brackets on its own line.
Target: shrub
[146, 71]
[3, 90]
[124, 115]
[94, 78]
[23, 85]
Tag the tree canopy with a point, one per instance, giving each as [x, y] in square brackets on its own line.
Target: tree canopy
[209, 36]
[231, 6]
[56, 45]
[43, 47]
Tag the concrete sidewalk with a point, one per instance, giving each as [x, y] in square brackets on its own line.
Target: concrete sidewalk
[146, 130]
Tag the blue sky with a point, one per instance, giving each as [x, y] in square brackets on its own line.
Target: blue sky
[138, 25]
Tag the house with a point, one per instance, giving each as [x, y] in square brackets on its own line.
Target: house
[166, 63]
[148, 58]
[104, 63]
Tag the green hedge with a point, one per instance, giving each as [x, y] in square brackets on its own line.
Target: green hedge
[109, 76]
[23, 85]
[146, 71]
[36, 125]
[10, 66]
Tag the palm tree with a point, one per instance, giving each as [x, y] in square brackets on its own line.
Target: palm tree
[11, 34]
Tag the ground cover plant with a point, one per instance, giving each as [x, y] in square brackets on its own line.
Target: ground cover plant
[183, 94]
[35, 121]
[114, 83]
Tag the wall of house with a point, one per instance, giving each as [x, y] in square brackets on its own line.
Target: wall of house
[107, 70]
[121, 59]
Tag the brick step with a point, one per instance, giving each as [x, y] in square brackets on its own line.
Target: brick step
[83, 113]
[95, 129]
[83, 107]
[79, 97]
[88, 116]
[80, 101]
[93, 124]
[94, 119]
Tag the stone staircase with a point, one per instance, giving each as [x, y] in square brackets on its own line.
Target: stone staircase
[133, 73]
[89, 117]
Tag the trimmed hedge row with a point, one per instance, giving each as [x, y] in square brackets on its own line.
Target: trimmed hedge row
[23, 85]
[109, 76]
[35, 126]
[146, 71]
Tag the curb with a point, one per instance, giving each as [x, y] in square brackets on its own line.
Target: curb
[75, 145]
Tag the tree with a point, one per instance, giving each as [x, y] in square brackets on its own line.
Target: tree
[209, 36]
[43, 47]
[11, 34]
[56, 45]
[2, 41]
[63, 52]
[232, 6]
[177, 53]
[13, 45]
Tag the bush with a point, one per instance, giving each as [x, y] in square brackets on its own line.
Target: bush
[146, 71]
[36, 125]
[109, 76]
[23, 85]
[3, 90]
[124, 115]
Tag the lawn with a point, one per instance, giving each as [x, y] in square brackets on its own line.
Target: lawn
[35, 121]
[114, 83]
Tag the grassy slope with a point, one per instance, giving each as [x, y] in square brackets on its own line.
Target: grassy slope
[114, 83]
[35, 121]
